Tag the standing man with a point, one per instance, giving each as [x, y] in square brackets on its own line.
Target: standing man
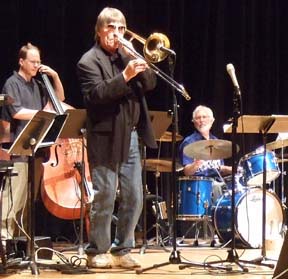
[203, 120]
[113, 83]
[29, 96]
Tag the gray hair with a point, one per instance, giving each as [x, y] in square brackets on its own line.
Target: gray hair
[201, 107]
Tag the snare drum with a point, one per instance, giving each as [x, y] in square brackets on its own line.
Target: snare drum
[248, 217]
[194, 197]
[252, 164]
[238, 186]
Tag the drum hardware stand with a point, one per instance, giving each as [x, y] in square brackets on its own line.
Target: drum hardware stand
[174, 257]
[156, 207]
[160, 121]
[205, 220]
[145, 231]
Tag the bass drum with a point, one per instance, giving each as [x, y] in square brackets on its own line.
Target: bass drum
[248, 217]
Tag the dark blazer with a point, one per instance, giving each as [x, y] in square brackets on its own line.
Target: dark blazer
[108, 135]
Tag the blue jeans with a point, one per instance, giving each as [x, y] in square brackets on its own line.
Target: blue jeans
[127, 177]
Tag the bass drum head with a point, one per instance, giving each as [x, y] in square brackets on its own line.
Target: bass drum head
[248, 217]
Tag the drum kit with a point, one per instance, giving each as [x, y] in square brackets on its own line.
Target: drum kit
[195, 195]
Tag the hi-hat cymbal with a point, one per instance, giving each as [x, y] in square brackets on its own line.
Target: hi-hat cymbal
[209, 149]
[277, 144]
[167, 137]
[161, 165]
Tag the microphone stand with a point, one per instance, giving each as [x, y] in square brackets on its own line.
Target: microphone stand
[232, 253]
[174, 257]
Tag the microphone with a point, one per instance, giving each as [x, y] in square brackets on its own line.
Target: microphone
[167, 50]
[231, 71]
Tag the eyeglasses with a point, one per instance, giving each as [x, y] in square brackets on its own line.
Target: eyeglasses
[204, 117]
[34, 62]
[120, 28]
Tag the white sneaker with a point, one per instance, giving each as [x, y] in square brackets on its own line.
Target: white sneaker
[126, 261]
[99, 261]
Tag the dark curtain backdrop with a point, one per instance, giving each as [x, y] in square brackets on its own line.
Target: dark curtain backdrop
[206, 36]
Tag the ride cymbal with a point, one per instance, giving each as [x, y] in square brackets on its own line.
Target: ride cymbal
[167, 137]
[277, 144]
[161, 165]
[209, 149]
[279, 160]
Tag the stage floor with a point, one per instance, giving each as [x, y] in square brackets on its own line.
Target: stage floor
[154, 255]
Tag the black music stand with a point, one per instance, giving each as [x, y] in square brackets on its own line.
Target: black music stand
[260, 124]
[42, 130]
[75, 128]
[160, 121]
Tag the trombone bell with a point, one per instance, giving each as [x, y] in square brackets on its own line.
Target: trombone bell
[152, 46]
[153, 54]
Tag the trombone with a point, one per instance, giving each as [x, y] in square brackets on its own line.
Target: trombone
[156, 48]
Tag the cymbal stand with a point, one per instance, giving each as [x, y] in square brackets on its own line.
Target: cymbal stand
[158, 228]
[144, 214]
[232, 253]
[174, 257]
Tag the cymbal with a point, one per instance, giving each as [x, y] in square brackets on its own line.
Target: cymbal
[209, 149]
[161, 165]
[277, 144]
[167, 137]
[279, 160]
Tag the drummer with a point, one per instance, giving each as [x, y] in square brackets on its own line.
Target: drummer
[203, 119]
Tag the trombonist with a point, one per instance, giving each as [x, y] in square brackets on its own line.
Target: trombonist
[113, 83]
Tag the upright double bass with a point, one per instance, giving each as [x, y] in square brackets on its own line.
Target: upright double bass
[62, 173]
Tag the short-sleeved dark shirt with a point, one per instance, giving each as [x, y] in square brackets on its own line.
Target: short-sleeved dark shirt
[30, 95]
